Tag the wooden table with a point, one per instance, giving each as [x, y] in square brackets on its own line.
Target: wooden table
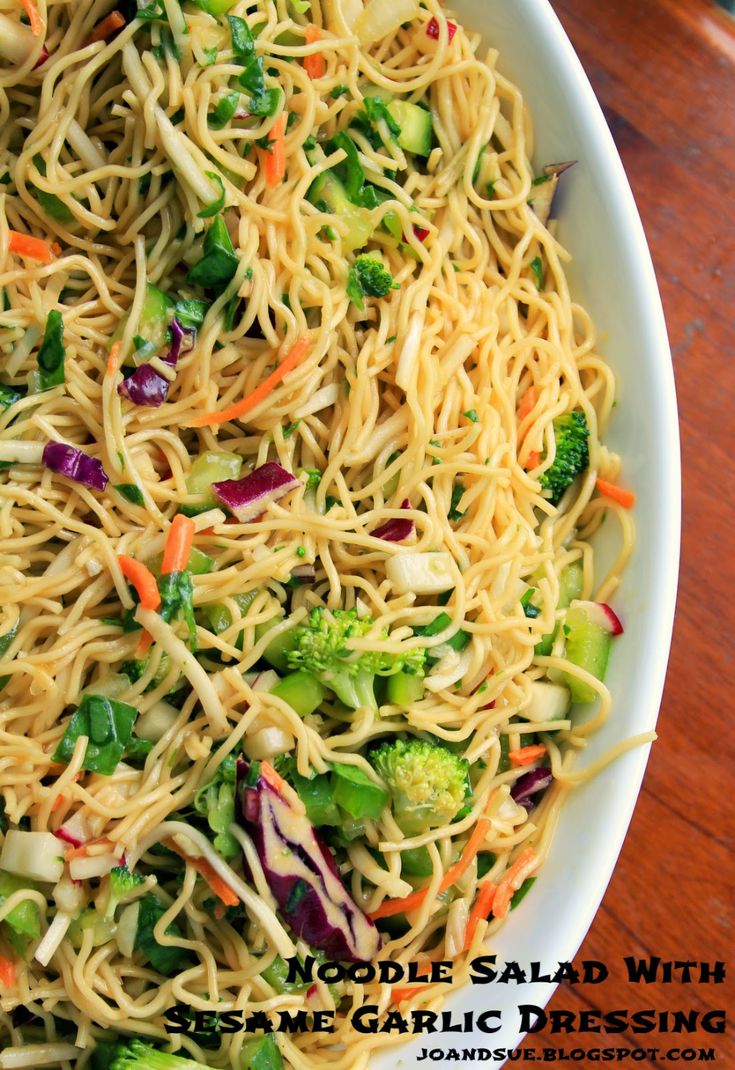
[664, 71]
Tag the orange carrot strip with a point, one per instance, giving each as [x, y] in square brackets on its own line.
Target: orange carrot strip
[268, 773]
[240, 408]
[480, 911]
[204, 868]
[528, 401]
[27, 245]
[413, 901]
[527, 755]
[273, 158]
[315, 65]
[398, 995]
[512, 880]
[623, 497]
[104, 29]
[81, 852]
[7, 972]
[113, 358]
[58, 802]
[533, 460]
[55, 248]
[178, 544]
[142, 579]
[144, 645]
[32, 12]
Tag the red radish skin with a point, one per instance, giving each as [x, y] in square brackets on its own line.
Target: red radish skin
[603, 615]
[432, 29]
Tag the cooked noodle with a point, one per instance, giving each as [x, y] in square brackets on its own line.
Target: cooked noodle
[379, 405]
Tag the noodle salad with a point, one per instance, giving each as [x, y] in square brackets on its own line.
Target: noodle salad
[301, 458]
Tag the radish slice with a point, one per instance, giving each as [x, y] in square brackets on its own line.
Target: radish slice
[88, 866]
[602, 615]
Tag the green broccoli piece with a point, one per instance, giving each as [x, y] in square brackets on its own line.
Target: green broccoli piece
[321, 649]
[572, 453]
[137, 1055]
[121, 884]
[368, 278]
[427, 782]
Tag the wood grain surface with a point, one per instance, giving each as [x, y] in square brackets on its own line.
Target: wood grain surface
[664, 72]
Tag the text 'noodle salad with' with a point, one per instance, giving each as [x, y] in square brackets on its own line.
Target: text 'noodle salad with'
[301, 457]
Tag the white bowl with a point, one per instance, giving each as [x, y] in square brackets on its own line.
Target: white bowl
[612, 275]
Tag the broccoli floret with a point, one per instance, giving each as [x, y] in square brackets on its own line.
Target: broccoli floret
[368, 277]
[121, 884]
[321, 649]
[572, 453]
[428, 783]
[137, 1055]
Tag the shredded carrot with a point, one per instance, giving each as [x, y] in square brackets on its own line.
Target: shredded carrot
[55, 248]
[58, 802]
[533, 460]
[144, 645]
[273, 158]
[7, 972]
[623, 497]
[204, 868]
[113, 358]
[83, 851]
[32, 12]
[512, 880]
[414, 901]
[240, 408]
[178, 544]
[315, 65]
[528, 402]
[527, 755]
[142, 579]
[480, 911]
[27, 245]
[398, 995]
[268, 773]
[104, 29]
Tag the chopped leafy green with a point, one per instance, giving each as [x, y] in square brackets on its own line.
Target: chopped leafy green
[164, 959]
[51, 353]
[216, 802]
[454, 511]
[5, 641]
[338, 91]
[219, 262]
[262, 101]
[52, 205]
[537, 267]
[9, 395]
[217, 205]
[177, 593]
[224, 110]
[530, 610]
[130, 491]
[108, 725]
[471, 414]
[190, 312]
[289, 430]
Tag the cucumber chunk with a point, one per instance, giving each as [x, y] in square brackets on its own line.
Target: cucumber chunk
[588, 646]
[301, 691]
[210, 467]
[570, 588]
[549, 702]
[405, 688]
[417, 132]
[328, 189]
[276, 651]
[356, 793]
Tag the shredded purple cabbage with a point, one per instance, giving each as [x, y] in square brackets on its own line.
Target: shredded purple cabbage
[529, 785]
[397, 529]
[247, 498]
[146, 386]
[75, 464]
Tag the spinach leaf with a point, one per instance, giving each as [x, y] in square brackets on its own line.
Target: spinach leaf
[9, 395]
[219, 262]
[166, 960]
[108, 726]
[52, 205]
[51, 354]
[131, 491]
[215, 206]
[190, 313]
[177, 593]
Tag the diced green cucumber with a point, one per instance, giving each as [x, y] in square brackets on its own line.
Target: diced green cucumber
[262, 1053]
[153, 322]
[588, 647]
[302, 691]
[549, 702]
[571, 581]
[199, 563]
[328, 189]
[416, 862]
[276, 651]
[417, 132]
[215, 7]
[24, 919]
[317, 796]
[356, 793]
[214, 466]
[276, 975]
[405, 688]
